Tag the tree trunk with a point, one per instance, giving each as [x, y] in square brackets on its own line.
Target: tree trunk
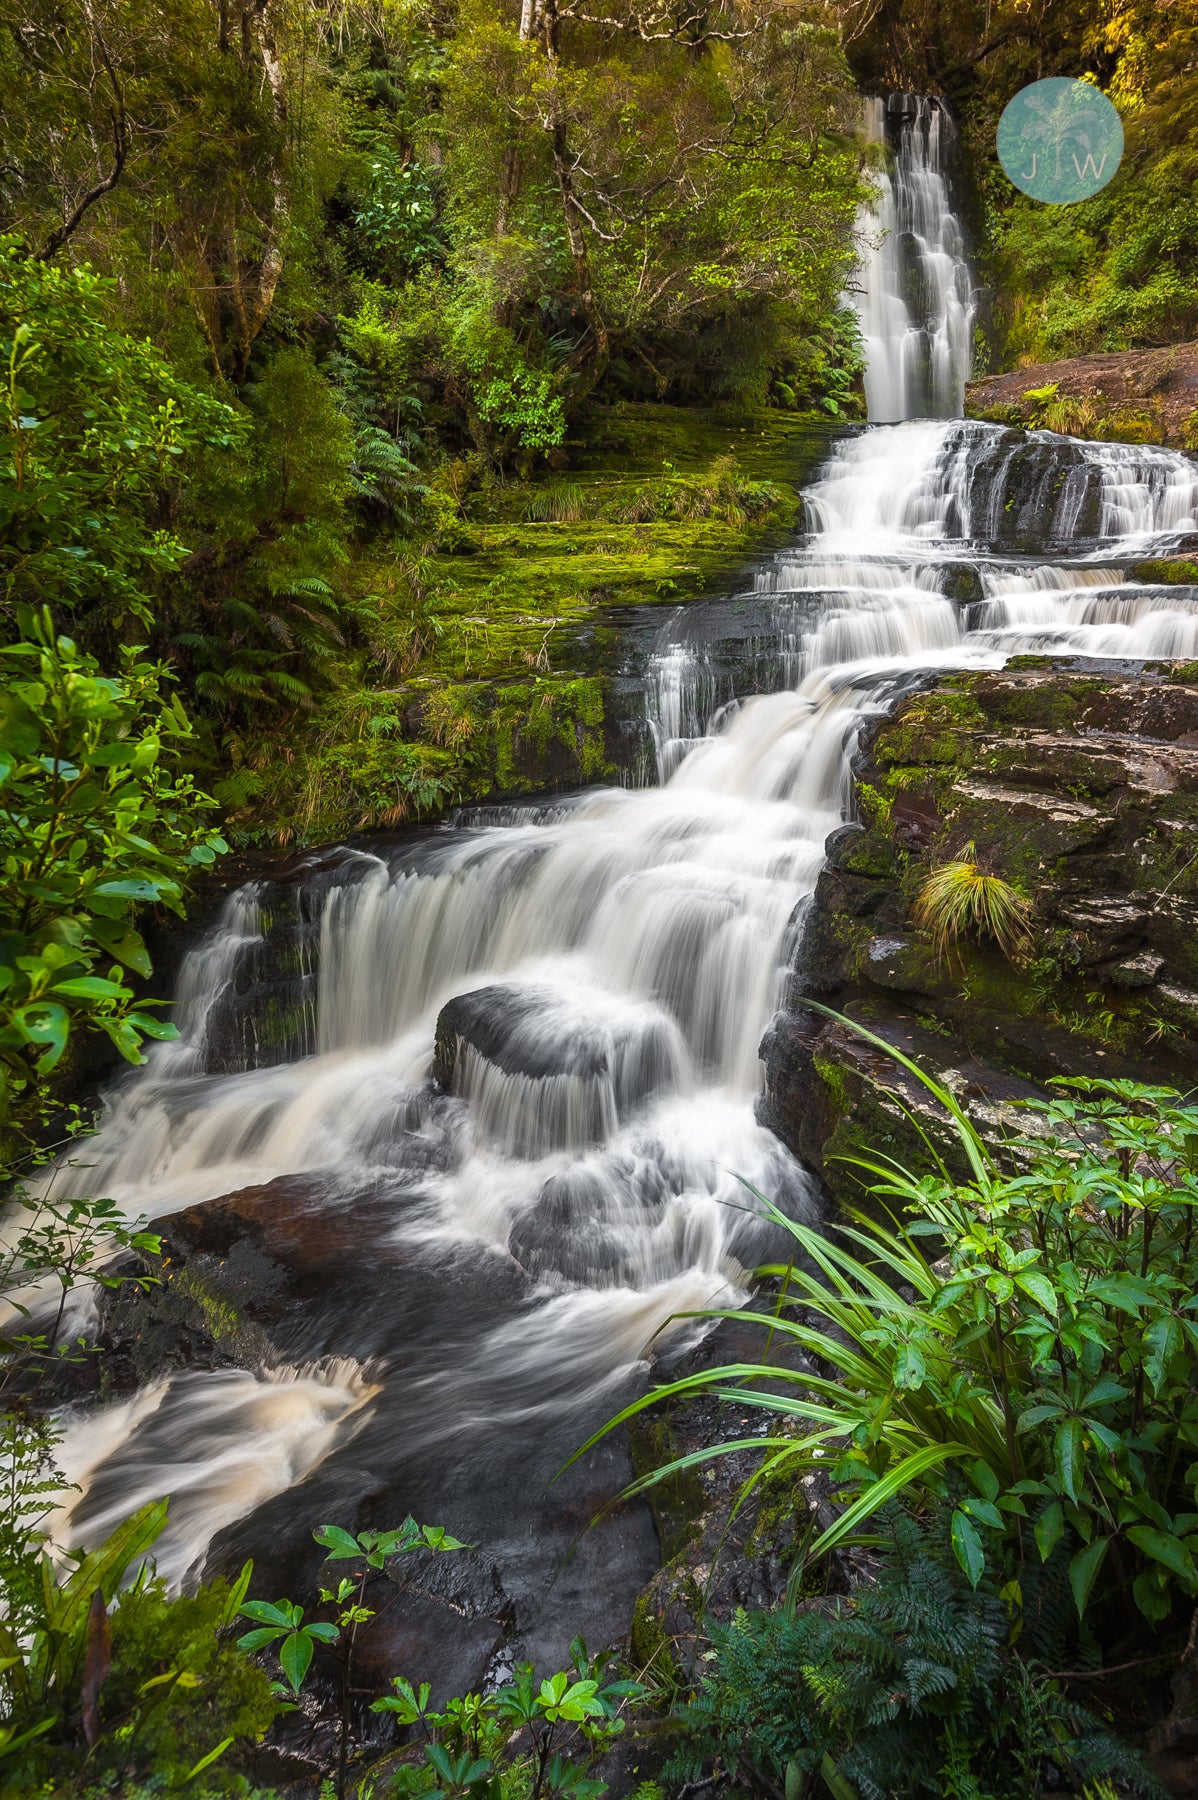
[572, 218]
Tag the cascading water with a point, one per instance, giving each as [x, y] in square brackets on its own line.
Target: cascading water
[915, 296]
[508, 1210]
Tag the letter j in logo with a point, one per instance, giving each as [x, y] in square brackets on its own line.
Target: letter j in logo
[1060, 140]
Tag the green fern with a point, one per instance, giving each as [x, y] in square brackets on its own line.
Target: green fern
[908, 1690]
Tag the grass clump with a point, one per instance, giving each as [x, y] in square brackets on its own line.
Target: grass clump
[960, 900]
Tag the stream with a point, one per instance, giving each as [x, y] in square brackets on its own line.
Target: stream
[493, 1223]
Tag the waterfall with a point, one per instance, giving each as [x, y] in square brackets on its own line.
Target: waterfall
[916, 297]
[513, 1125]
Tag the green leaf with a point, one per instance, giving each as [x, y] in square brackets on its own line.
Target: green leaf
[295, 1657]
[339, 1544]
[1104, 1392]
[270, 1612]
[1050, 1529]
[985, 1512]
[1163, 1340]
[237, 1593]
[1040, 1289]
[130, 890]
[206, 1762]
[1083, 1572]
[838, 1788]
[967, 1548]
[1069, 1451]
[1125, 1292]
[1167, 1551]
[89, 987]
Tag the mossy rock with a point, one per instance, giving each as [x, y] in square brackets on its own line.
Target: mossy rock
[1168, 571]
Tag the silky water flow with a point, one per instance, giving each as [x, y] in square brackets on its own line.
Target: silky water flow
[493, 1256]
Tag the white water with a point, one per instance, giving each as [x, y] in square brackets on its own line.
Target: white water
[633, 945]
[915, 299]
[231, 1441]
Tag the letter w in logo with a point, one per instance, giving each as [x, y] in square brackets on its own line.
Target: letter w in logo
[1088, 167]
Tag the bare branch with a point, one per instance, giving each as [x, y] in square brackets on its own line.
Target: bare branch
[120, 152]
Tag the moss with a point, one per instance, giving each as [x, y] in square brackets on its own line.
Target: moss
[484, 655]
[871, 853]
[1169, 570]
[874, 806]
[651, 1645]
[782, 1511]
[219, 1317]
[678, 1501]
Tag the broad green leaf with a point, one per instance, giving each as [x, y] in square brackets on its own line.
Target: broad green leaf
[1050, 1529]
[1104, 1392]
[967, 1547]
[1040, 1288]
[984, 1511]
[295, 1658]
[130, 890]
[89, 987]
[1069, 1454]
[339, 1544]
[1083, 1572]
[1166, 1550]
[269, 1612]
[1163, 1340]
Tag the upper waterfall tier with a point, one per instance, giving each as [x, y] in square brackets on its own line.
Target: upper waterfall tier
[915, 296]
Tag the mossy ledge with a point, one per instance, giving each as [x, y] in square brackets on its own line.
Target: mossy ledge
[487, 654]
[1078, 785]
[1127, 396]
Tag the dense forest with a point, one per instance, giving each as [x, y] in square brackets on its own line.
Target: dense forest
[361, 359]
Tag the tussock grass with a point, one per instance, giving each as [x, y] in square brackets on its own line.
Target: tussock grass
[960, 900]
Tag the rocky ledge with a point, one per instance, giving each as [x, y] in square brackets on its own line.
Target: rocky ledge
[1141, 396]
[1076, 783]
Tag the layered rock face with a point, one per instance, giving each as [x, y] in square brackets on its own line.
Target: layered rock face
[1076, 783]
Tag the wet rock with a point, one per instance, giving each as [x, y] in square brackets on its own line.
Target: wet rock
[1078, 785]
[302, 1270]
[1133, 972]
[509, 1027]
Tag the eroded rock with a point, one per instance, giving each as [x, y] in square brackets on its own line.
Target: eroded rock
[1076, 783]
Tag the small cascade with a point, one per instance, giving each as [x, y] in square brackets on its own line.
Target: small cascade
[915, 300]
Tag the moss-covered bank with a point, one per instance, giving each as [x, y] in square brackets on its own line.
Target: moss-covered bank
[486, 658]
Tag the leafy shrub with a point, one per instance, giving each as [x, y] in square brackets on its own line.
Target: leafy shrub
[528, 1738]
[96, 428]
[96, 820]
[1045, 1348]
[106, 1678]
[910, 1688]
